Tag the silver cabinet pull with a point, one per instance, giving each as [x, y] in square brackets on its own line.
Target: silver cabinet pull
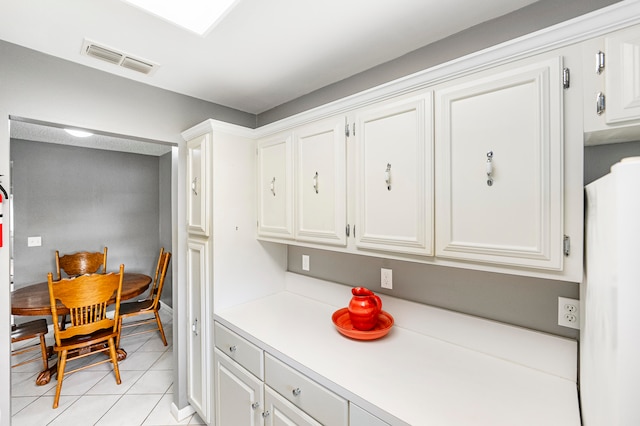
[194, 186]
[315, 182]
[265, 414]
[599, 62]
[255, 405]
[232, 348]
[387, 176]
[296, 391]
[489, 168]
[273, 186]
[194, 327]
[600, 103]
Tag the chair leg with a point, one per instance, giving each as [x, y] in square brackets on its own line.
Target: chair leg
[62, 362]
[114, 360]
[45, 354]
[164, 339]
[119, 332]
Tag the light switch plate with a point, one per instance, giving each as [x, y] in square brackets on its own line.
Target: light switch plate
[34, 241]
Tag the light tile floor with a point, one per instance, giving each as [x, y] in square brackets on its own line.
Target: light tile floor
[91, 396]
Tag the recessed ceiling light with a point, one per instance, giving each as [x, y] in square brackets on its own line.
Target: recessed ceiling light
[198, 16]
[78, 133]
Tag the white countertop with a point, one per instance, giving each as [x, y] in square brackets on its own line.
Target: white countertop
[405, 377]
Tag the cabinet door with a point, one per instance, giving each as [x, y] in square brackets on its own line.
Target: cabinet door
[197, 345]
[499, 167]
[360, 417]
[394, 176]
[275, 187]
[238, 394]
[321, 182]
[281, 412]
[622, 76]
[198, 179]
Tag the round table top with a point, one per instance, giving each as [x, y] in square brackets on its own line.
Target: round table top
[34, 299]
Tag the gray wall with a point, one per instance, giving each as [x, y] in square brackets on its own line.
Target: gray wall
[599, 159]
[541, 14]
[83, 199]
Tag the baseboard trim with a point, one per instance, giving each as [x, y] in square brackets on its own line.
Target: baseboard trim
[181, 413]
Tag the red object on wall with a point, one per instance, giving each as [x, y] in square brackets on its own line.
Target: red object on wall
[0, 220]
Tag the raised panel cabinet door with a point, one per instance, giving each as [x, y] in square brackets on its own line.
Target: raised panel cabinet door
[360, 417]
[321, 187]
[239, 395]
[394, 176]
[197, 345]
[198, 180]
[275, 187]
[499, 167]
[281, 412]
[622, 76]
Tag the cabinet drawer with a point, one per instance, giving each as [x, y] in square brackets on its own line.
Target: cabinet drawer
[239, 349]
[317, 401]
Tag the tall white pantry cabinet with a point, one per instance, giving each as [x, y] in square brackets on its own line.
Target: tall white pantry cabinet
[198, 271]
[225, 264]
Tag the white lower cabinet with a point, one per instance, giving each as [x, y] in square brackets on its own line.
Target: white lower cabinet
[239, 395]
[281, 412]
[250, 392]
[360, 417]
[317, 401]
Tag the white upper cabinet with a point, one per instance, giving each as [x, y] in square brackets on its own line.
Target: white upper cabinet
[612, 87]
[198, 179]
[394, 176]
[275, 186]
[622, 76]
[499, 166]
[321, 186]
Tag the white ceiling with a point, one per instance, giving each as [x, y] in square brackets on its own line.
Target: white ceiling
[262, 54]
[38, 132]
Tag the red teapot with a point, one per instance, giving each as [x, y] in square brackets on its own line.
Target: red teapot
[364, 308]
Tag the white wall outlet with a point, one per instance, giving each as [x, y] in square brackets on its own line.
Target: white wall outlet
[386, 278]
[305, 262]
[34, 241]
[569, 312]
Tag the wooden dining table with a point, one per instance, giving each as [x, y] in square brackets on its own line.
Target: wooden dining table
[33, 300]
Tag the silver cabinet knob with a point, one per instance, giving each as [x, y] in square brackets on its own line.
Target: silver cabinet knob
[265, 414]
[255, 405]
[232, 348]
[297, 392]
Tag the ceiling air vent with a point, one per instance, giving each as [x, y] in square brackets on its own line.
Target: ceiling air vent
[113, 56]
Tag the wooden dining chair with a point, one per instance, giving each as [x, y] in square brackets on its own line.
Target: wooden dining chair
[81, 263]
[26, 331]
[150, 306]
[90, 330]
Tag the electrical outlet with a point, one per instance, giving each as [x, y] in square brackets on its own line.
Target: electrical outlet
[386, 278]
[305, 262]
[569, 312]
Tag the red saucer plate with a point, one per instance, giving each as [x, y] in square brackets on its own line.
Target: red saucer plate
[343, 325]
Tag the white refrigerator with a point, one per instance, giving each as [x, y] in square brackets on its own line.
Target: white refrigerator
[610, 299]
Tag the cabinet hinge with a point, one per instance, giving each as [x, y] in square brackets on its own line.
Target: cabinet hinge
[599, 62]
[566, 78]
[600, 103]
[566, 245]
